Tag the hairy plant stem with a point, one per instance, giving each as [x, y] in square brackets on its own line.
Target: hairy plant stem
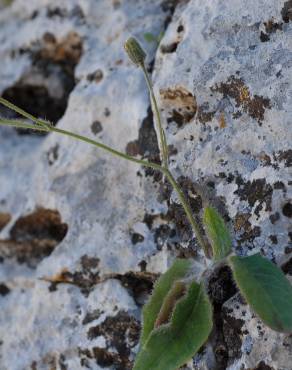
[188, 211]
[44, 126]
[49, 128]
[23, 113]
[163, 143]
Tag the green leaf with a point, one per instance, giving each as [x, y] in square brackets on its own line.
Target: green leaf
[217, 233]
[149, 37]
[177, 271]
[266, 289]
[172, 345]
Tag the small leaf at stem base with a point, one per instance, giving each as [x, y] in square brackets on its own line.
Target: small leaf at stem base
[217, 233]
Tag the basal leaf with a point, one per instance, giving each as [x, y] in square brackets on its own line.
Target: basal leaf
[170, 346]
[217, 233]
[177, 271]
[176, 292]
[266, 289]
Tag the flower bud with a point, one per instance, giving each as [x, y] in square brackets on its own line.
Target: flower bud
[135, 51]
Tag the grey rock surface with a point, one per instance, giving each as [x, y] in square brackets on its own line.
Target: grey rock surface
[83, 235]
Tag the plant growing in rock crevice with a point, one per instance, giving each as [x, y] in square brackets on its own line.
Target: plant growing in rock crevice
[177, 320]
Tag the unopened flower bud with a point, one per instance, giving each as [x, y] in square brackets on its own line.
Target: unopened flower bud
[135, 51]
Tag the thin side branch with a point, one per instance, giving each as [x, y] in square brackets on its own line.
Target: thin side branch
[20, 111]
[21, 124]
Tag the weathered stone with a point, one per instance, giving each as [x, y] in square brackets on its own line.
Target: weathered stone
[222, 74]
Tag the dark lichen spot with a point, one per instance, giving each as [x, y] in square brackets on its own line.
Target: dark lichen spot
[204, 113]
[245, 232]
[177, 118]
[53, 63]
[107, 112]
[106, 358]
[53, 154]
[274, 239]
[180, 105]
[270, 27]
[34, 237]
[287, 267]
[279, 185]
[4, 290]
[172, 150]
[95, 76]
[287, 11]
[92, 316]
[41, 224]
[236, 89]
[139, 284]
[149, 219]
[264, 37]
[53, 12]
[163, 234]
[62, 362]
[121, 332]
[96, 127]
[287, 210]
[169, 48]
[137, 238]
[274, 217]
[255, 191]
[284, 156]
[180, 28]
[48, 361]
[263, 366]
[86, 277]
[146, 145]
[143, 265]
[173, 228]
[4, 219]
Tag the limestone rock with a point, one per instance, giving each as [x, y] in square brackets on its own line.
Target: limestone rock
[84, 235]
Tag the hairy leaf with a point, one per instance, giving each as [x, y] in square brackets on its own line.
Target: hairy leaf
[178, 270]
[176, 292]
[266, 289]
[170, 346]
[217, 233]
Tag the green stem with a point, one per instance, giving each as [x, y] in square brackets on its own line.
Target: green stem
[164, 170]
[107, 149]
[20, 111]
[188, 211]
[163, 143]
[19, 124]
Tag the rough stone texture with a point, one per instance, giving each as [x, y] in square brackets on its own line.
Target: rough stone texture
[84, 235]
[234, 59]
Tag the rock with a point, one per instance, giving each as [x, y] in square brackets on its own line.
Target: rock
[233, 59]
[71, 279]
[83, 234]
